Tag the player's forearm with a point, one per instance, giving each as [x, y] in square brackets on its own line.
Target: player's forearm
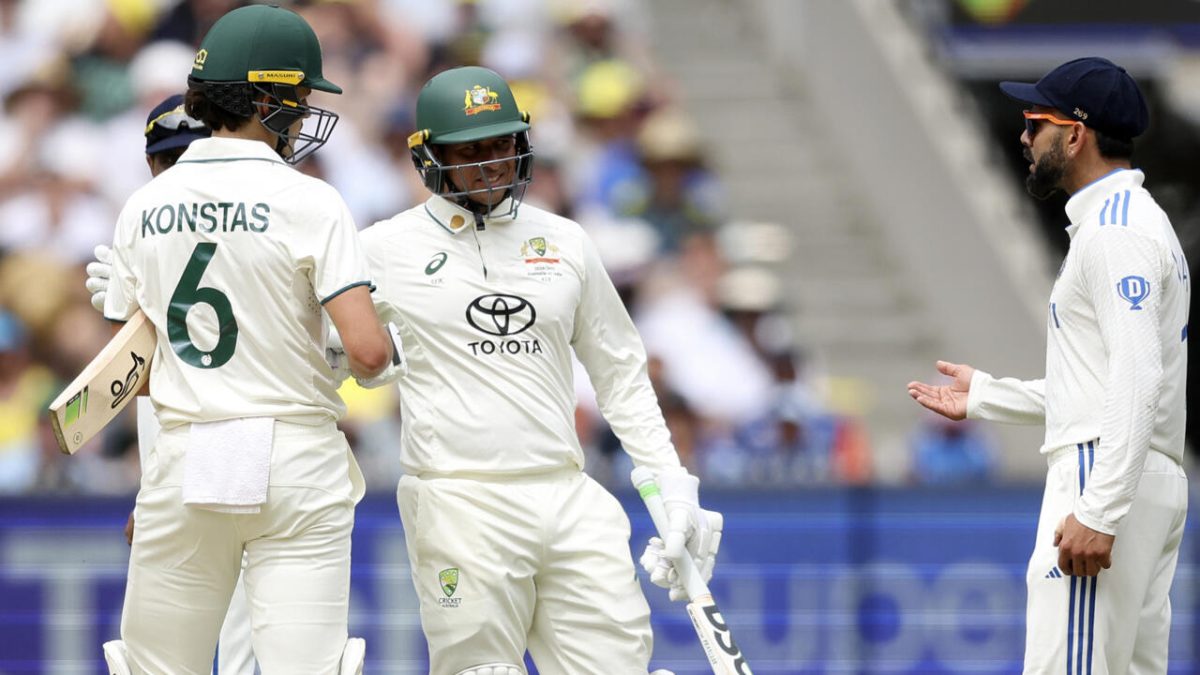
[1006, 400]
[1130, 408]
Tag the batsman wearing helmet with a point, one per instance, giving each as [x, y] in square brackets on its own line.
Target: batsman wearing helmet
[512, 545]
[238, 259]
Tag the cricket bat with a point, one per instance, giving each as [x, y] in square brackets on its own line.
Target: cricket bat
[105, 386]
[715, 637]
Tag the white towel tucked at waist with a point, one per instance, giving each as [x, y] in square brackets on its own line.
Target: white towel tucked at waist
[228, 464]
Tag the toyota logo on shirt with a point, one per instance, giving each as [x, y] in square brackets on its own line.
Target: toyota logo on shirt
[501, 315]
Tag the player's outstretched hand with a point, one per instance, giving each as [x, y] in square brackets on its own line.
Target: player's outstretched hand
[949, 400]
[99, 271]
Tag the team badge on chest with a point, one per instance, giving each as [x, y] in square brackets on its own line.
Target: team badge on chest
[542, 260]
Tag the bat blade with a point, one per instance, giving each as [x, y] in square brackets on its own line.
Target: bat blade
[715, 637]
[105, 386]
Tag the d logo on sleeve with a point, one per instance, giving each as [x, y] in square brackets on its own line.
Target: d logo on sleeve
[1133, 290]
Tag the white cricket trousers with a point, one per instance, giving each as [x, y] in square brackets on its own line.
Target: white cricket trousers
[538, 562]
[1117, 623]
[235, 656]
[185, 562]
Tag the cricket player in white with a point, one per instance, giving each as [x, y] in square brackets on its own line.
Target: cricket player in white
[1113, 399]
[169, 130]
[232, 254]
[512, 546]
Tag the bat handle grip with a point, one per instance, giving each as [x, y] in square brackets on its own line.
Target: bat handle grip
[644, 480]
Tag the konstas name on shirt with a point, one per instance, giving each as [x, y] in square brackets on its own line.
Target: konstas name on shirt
[206, 217]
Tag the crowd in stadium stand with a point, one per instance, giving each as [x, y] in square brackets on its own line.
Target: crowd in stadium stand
[614, 150]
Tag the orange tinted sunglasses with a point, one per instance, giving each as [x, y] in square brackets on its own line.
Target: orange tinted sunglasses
[1030, 116]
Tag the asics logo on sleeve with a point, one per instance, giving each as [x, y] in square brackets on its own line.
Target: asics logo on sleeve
[1134, 290]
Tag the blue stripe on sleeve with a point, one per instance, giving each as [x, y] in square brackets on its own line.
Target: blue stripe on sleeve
[1104, 209]
[1112, 216]
[1125, 210]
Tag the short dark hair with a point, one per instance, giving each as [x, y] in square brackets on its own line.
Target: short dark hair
[168, 157]
[201, 102]
[1111, 147]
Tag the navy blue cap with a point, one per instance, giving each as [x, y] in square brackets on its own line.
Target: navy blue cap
[169, 127]
[1092, 90]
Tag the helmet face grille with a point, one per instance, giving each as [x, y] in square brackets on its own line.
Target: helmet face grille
[282, 109]
[441, 179]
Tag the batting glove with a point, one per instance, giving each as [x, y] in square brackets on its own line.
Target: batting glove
[395, 370]
[99, 271]
[335, 356]
[691, 528]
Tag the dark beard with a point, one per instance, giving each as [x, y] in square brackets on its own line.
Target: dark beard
[1048, 173]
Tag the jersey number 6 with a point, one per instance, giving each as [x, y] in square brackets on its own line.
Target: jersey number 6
[188, 293]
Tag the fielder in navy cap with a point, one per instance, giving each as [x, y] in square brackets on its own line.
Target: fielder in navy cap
[1113, 399]
[1094, 105]
[169, 130]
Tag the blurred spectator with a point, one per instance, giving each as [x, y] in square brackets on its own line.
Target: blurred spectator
[25, 389]
[605, 168]
[677, 194]
[100, 69]
[951, 453]
[708, 361]
[59, 213]
[188, 20]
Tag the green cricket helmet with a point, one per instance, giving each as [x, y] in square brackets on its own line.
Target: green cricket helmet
[463, 105]
[267, 50]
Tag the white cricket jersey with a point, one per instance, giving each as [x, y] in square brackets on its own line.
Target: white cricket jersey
[1116, 357]
[488, 318]
[230, 253]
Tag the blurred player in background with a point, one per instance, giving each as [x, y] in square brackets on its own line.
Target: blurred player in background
[169, 131]
[1113, 399]
[512, 546]
[233, 254]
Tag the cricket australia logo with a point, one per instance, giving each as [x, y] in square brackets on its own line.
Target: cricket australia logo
[1133, 290]
[448, 579]
[480, 99]
[538, 250]
[201, 57]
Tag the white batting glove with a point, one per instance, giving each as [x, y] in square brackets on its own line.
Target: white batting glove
[395, 370]
[691, 528]
[99, 271]
[335, 356]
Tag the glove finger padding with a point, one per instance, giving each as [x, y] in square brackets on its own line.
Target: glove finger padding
[689, 525]
[661, 570]
[99, 271]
